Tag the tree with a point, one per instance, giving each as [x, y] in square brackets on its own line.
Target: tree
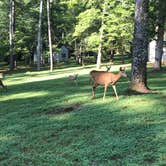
[119, 27]
[160, 22]
[114, 20]
[140, 48]
[4, 30]
[98, 64]
[38, 49]
[11, 33]
[49, 35]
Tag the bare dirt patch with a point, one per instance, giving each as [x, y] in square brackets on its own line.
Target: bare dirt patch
[115, 157]
[150, 160]
[62, 110]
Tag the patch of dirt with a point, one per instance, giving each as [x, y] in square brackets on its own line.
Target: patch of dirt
[150, 160]
[125, 107]
[115, 157]
[62, 110]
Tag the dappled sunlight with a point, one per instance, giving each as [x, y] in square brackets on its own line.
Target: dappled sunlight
[45, 75]
[5, 138]
[24, 95]
[82, 97]
[29, 76]
[63, 66]
[60, 117]
[42, 115]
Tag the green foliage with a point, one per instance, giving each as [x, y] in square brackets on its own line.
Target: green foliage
[118, 25]
[3, 29]
[92, 41]
[86, 21]
[71, 20]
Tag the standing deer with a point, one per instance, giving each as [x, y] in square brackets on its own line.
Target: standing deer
[108, 69]
[73, 78]
[106, 78]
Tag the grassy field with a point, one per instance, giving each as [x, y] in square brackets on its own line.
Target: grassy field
[45, 121]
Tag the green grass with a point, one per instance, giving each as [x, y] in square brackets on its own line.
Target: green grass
[131, 131]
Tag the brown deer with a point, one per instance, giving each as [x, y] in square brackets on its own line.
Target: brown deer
[108, 69]
[106, 78]
[73, 78]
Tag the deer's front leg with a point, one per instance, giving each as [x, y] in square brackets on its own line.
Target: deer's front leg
[114, 88]
[105, 90]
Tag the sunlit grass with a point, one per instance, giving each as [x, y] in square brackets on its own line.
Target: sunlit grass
[130, 131]
[24, 95]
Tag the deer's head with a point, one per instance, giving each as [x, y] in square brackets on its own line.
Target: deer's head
[123, 72]
[108, 67]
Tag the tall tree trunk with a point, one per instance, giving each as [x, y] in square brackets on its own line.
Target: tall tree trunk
[39, 38]
[11, 33]
[140, 48]
[98, 65]
[49, 35]
[160, 21]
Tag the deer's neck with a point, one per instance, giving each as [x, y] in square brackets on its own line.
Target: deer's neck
[116, 78]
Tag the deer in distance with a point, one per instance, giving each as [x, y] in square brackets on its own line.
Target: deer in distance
[73, 78]
[106, 78]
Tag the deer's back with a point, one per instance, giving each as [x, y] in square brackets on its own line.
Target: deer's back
[102, 77]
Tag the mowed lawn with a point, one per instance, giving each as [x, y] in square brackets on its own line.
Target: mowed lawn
[47, 121]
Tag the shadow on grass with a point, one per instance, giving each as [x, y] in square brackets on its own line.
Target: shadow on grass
[124, 132]
[101, 133]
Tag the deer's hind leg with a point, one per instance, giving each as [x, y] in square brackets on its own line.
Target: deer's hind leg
[93, 90]
[114, 88]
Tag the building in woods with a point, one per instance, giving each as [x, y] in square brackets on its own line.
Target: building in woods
[62, 55]
[152, 45]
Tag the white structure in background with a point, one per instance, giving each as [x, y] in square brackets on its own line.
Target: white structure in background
[62, 55]
[152, 45]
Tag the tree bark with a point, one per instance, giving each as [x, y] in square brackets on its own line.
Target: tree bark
[49, 35]
[160, 21]
[11, 33]
[140, 48]
[39, 38]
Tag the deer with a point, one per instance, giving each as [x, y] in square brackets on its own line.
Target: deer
[73, 78]
[106, 78]
[108, 67]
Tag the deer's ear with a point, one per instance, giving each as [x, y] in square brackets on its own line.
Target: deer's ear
[122, 68]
